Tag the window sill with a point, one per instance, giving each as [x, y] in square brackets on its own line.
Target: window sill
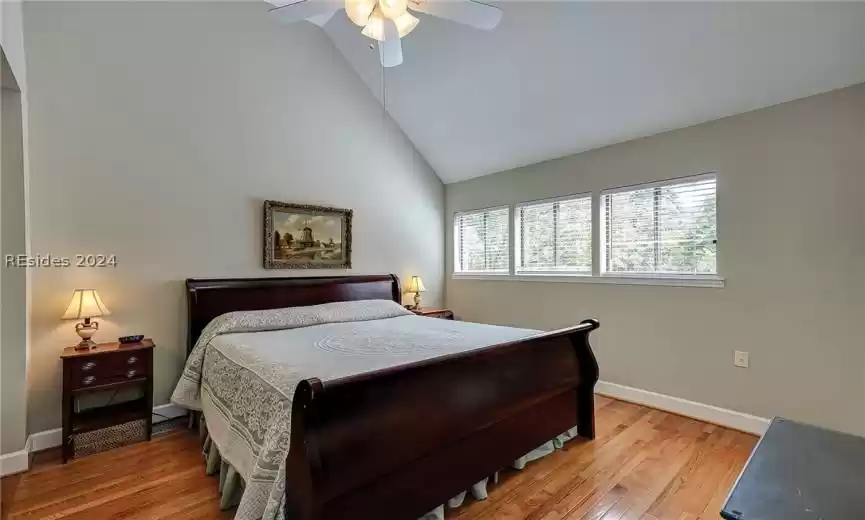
[481, 276]
[668, 281]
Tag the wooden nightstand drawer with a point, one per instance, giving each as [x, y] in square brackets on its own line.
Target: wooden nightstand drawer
[97, 370]
[86, 381]
[110, 363]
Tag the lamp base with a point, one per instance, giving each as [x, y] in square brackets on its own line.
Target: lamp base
[85, 344]
[85, 331]
[417, 301]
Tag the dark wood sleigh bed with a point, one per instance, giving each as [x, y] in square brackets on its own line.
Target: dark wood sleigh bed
[396, 443]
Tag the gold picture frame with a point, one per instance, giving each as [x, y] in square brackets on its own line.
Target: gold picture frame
[302, 236]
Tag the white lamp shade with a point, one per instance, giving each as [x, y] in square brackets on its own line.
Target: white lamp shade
[375, 29]
[358, 11]
[86, 303]
[416, 285]
[393, 9]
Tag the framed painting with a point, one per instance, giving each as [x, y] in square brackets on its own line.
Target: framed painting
[299, 236]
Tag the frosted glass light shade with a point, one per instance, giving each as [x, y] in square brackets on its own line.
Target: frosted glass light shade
[359, 11]
[375, 28]
[415, 285]
[393, 9]
[86, 303]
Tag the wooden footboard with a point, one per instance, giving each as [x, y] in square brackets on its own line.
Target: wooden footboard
[394, 444]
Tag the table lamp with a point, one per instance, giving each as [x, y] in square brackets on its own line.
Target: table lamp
[416, 286]
[86, 304]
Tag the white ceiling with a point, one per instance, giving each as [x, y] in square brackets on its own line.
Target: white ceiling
[556, 78]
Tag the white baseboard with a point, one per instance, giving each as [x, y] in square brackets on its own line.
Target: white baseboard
[15, 462]
[46, 440]
[19, 460]
[704, 412]
[166, 412]
[52, 438]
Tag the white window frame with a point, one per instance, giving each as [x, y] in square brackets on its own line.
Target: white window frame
[482, 274]
[597, 276]
[516, 250]
[684, 279]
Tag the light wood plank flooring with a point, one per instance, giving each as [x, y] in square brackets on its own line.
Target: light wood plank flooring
[644, 465]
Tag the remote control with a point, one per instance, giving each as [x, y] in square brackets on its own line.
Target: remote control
[130, 339]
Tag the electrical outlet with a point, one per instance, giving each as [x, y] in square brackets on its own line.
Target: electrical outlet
[740, 359]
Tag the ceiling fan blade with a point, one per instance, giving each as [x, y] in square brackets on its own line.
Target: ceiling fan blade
[467, 12]
[390, 50]
[303, 9]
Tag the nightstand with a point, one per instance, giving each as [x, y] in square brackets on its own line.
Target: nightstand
[444, 314]
[107, 366]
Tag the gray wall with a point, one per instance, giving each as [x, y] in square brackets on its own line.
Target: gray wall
[13, 298]
[13, 282]
[157, 130]
[791, 186]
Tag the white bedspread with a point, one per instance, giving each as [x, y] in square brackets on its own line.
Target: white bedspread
[244, 381]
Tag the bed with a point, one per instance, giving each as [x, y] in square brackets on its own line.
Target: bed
[356, 408]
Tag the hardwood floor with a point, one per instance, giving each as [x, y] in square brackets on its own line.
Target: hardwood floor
[644, 465]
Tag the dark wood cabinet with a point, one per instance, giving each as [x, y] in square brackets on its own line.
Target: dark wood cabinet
[108, 366]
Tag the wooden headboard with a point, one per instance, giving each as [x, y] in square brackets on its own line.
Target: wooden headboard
[209, 298]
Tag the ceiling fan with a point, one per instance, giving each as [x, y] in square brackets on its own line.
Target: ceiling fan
[387, 21]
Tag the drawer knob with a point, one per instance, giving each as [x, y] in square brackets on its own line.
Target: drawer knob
[130, 374]
[88, 380]
[90, 365]
[132, 360]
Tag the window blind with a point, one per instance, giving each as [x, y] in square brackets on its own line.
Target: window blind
[555, 236]
[482, 241]
[666, 228]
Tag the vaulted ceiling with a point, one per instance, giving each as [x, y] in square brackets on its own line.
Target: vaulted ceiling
[556, 78]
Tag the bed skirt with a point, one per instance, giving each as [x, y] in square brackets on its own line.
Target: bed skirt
[231, 484]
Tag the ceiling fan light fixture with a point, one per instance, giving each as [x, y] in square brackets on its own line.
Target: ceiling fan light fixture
[406, 24]
[359, 11]
[375, 28]
[393, 9]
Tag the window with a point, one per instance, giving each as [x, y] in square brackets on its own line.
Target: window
[482, 241]
[667, 228]
[555, 236]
